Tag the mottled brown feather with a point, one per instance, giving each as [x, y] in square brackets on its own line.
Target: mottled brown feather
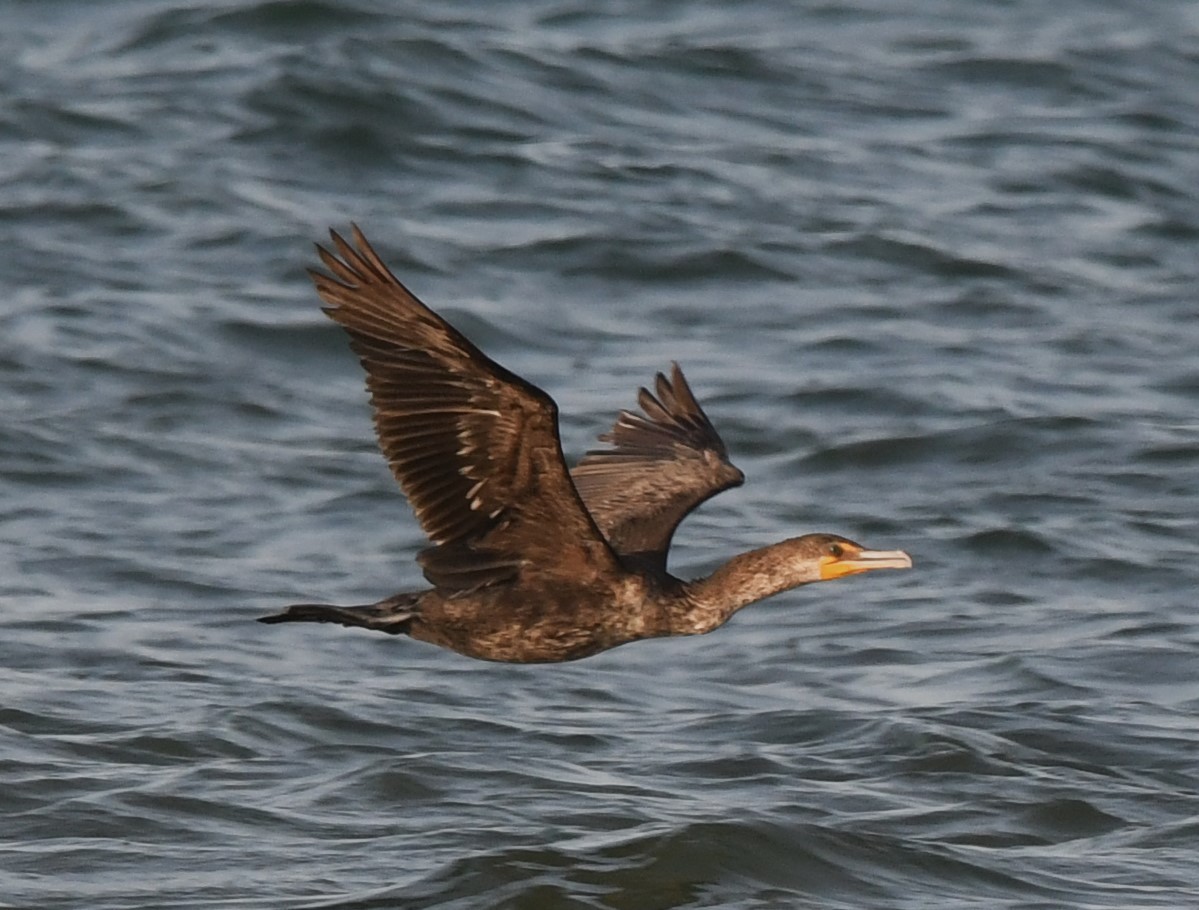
[474, 447]
[662, 466]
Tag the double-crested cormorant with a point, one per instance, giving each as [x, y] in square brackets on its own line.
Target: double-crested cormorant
[532, 562]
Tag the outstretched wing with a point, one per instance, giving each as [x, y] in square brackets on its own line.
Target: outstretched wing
[662, 465]
[474, 447]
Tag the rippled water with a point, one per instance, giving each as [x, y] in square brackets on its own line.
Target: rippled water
[930, 265]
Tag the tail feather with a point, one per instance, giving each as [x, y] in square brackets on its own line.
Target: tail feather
[392, 616]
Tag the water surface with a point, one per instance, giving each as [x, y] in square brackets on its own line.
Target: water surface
[931, 267]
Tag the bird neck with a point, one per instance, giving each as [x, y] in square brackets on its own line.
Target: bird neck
[743, 580]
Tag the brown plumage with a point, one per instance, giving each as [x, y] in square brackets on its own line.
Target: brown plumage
[531, 562]
[662, 465]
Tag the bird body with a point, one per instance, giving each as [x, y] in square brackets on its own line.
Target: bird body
[531, 562]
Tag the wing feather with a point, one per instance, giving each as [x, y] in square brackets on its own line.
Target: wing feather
[663, 463]
[474, 447]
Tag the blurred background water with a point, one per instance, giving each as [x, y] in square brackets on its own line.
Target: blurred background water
[931, 266]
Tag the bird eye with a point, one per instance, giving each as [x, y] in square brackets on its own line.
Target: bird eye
[836, 550]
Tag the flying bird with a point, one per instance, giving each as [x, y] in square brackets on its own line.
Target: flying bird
[532, 562]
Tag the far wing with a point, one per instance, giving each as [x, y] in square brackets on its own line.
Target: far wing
[661, 466]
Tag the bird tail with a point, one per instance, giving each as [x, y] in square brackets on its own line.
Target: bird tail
[392, 615]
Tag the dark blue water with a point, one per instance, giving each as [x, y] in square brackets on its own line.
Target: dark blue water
[932, 268]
